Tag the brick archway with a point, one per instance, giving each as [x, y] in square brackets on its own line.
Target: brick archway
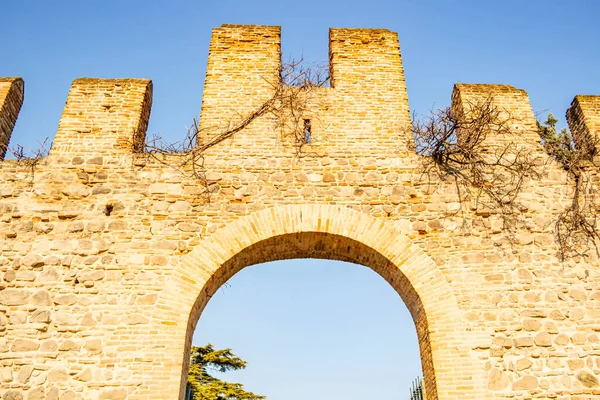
[331, 232]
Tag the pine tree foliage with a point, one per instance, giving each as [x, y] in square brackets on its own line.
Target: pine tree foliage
[560, 145]
[207, 387]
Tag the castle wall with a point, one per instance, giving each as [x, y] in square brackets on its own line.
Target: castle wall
[107, 256]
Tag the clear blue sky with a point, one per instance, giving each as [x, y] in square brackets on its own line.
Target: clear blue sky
[309, 329]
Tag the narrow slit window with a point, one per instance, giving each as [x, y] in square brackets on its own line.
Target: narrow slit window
[307, 131]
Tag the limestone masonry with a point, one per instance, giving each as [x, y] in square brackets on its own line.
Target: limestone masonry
[108, 255]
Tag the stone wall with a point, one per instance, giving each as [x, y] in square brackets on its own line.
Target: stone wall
[108, 256]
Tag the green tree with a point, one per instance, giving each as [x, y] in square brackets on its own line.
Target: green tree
[559, 145]
[206, 387]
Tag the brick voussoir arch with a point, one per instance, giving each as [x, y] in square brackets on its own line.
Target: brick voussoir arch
[412, 273]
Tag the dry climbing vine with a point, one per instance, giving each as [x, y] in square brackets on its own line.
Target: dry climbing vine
[576, 227]
[488, 174]
[29, 159]
[291, 99]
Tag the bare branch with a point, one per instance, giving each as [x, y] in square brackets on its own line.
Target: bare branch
[491, 174]
[30, 159]
[576, 228]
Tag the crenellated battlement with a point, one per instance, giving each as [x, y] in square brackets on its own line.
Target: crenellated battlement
[365, 108]
[104, 116]
[108, 254]
[584, 120]
[364, 111]
[514, 111]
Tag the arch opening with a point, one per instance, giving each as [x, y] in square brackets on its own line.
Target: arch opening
[313, 328]
[319, 245]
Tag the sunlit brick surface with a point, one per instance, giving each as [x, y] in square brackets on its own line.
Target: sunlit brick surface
[107, 257]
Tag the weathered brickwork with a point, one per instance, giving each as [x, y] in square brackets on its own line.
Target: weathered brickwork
[12, 91]
[514, 108]
[108, 256]
[584, 119]
[104, 116]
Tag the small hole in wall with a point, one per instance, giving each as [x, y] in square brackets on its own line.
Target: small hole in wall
[307, 132]
[108, 209]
